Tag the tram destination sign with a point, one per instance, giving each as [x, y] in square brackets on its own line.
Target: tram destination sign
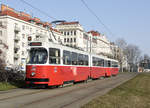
[35, 44]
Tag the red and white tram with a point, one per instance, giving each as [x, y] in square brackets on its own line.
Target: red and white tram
[55, 65]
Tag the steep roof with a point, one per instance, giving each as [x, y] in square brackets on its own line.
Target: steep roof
[5, 10]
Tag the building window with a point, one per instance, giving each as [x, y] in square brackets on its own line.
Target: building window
[71, 40]
[67, 39]
[65, 33]
[68, 33]
[23, 44]
[71, 32]
[23, 36]
[1, 33]
[74, 39]
[16, 24]
[30, 29]
[64, 39]
[75, 33]
[27, 27]
[23, 53]
[23, 27]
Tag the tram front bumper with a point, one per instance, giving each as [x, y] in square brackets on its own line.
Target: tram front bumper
[37, 80]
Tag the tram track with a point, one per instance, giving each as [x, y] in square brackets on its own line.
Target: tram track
[35, 92]
[73, 90]
[25, 94]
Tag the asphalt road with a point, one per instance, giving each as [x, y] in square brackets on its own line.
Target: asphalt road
[72, 96]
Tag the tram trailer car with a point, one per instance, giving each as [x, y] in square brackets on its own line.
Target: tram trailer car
[57, 65]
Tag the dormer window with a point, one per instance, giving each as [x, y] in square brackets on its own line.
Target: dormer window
[32, 21]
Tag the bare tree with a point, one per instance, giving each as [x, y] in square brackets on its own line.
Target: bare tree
[133, 56]
[146, 57]
[121, 43]
[7, 74]
[132, 52]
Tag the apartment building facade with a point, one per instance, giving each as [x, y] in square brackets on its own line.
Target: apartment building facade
[92, 41]
[73, 34]
[100, 44]
[17, 30]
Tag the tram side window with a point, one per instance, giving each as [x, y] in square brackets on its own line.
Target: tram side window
[100, 62]
[74, 58]
[114, 64]
[105, 63]
[66, 57]
[94, 61]
[86, 60]
[109, 63]
[54, 56]
[80, 59]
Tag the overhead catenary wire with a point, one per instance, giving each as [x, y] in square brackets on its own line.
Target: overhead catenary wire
[94, 14]
[44, 13]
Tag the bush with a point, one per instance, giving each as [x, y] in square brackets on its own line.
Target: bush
[10, 76]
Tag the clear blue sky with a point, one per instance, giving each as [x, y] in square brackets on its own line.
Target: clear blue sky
[128, 19]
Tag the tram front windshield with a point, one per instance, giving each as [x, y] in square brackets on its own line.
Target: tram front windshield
[38, 56]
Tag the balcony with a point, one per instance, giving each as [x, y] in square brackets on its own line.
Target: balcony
[16, 56]
[37, 39]
[41, 39]
[17, 29]
[38, 34]
[16, 46]
[16, 38]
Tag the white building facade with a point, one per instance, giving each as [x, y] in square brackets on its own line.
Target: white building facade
[73, 34]
[17, 30]
[92, 41]
[100, 44]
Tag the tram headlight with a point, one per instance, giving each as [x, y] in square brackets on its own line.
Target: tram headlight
[33, 74]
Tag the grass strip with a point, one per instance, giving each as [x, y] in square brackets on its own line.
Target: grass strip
[11, 85]
[6, 86]
[134, 93]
